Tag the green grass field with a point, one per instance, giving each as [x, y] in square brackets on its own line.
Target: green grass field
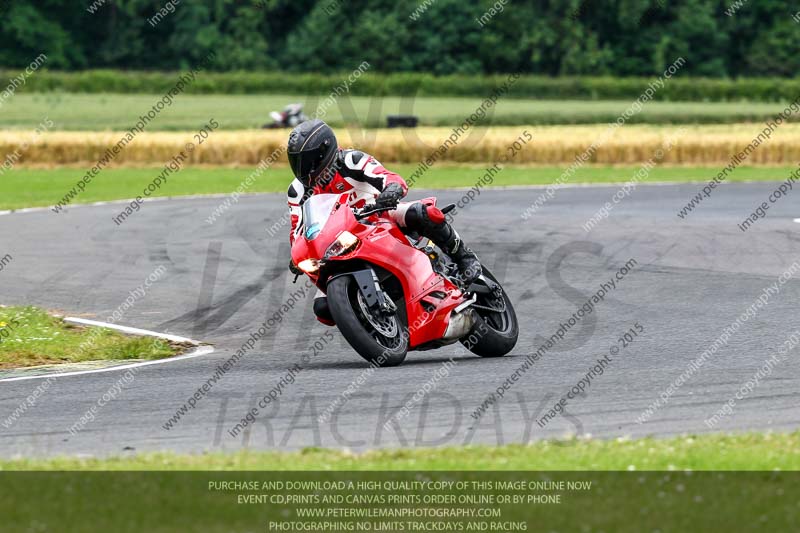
[36, 187]
[31, 337]
[166, 493]
[120, 111]
[753, 451]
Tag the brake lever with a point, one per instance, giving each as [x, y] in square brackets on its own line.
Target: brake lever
[365, 214]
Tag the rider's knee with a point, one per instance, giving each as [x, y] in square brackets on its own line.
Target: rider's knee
[420, 217]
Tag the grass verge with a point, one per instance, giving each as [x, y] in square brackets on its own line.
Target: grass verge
[31, 337]
[36, 187]
[84, 112]
[742, 452]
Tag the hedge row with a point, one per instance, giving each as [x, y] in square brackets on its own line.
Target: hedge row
[404, 84]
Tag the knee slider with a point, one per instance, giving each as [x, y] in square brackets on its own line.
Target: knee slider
[435, 215]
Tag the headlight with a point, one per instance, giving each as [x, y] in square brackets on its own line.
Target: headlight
[344, 243]
[309, 266]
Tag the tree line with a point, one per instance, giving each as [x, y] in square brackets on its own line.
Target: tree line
[542, 37]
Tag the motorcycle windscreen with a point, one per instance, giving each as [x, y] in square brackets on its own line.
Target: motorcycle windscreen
[316, 211]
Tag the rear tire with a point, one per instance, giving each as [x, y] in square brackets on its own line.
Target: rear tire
[376, 347]
[494, 334]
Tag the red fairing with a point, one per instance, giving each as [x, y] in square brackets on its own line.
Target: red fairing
[383, 244]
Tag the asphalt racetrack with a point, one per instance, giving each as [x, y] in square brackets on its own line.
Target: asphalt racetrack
[691, 280]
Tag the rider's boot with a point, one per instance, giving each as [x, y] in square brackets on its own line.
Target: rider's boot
[468, 265]
[430, 222]
[322, 311]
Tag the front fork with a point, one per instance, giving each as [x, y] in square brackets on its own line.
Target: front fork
[370, 288]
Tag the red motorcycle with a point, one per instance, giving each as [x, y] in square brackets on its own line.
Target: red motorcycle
[390, 292]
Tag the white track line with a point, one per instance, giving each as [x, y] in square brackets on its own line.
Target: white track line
[131, 331]
[797, 220]
[120, 202]
[197, 352]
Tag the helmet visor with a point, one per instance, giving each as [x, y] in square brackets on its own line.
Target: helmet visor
[306, 165]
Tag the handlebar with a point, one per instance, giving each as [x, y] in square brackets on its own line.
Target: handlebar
[366, 211]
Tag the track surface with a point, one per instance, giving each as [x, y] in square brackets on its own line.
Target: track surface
[694, 277]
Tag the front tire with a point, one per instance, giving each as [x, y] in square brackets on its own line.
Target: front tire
[494, 333]
[380, 339]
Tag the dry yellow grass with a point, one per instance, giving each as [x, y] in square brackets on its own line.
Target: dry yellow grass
[632, 144]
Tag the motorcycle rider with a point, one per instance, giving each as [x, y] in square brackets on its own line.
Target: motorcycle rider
[320, 166]
[290, 117]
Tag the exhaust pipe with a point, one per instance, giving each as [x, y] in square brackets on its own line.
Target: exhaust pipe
[460, 325]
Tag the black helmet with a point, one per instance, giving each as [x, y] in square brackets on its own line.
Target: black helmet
[312, 149]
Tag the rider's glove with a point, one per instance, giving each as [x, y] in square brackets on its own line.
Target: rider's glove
[293, 268]
[390, 196]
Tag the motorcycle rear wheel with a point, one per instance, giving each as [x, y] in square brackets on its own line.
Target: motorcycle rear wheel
[379, 338]
[494, 333]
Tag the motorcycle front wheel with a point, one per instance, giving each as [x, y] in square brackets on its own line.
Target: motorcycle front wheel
[378, 337]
